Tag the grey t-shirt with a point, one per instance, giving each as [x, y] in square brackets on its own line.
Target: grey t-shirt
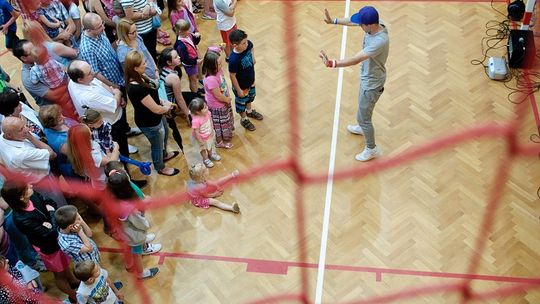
[373, 70]
[37, 90]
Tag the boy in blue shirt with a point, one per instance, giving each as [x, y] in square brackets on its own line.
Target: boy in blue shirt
[242, 72]
[8, 16]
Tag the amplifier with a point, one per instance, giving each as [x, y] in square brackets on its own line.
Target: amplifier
[521, 51]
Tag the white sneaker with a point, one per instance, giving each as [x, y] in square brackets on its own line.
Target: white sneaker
[150, 237]
[215, 157]
[151, 249]
[132, 149]
[368, 154]
[355, 129]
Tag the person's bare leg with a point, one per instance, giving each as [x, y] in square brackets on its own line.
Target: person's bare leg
[224, 206]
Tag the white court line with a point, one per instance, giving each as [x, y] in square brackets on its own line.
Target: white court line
[332, 161]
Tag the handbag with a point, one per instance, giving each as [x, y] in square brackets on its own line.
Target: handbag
[156, 20]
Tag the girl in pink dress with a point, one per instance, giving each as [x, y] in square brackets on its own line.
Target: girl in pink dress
[203, 192]
[203, 133]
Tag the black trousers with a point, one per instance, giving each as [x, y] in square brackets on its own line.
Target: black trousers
[150, 41]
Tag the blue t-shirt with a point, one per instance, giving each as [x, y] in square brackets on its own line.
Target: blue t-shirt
[242, 65]
[56, 139]
[5, 14]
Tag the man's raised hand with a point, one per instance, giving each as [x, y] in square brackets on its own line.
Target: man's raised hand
[327, 17]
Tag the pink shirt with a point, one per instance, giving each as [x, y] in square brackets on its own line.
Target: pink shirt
[30, 207]
[211, 82]
[204, 124]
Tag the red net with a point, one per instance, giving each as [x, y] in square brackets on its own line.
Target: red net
[507, 131]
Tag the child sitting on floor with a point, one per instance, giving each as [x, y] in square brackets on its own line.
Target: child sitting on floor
[203, 192]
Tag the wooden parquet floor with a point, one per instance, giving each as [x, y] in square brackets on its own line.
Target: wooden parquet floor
[410, 222]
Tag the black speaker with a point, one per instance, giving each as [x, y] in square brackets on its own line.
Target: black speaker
[516, 10]
[521, 49]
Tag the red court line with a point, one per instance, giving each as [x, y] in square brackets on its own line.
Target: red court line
[282, 267]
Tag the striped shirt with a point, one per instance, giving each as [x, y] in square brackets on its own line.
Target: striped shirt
[145, 25]
[71, 244]
[163, 76]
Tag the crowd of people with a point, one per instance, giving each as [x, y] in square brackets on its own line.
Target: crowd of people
[82, 70]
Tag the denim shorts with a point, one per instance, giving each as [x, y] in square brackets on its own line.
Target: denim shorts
[240, 102]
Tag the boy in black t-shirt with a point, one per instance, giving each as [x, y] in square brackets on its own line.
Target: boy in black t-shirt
[242, 71]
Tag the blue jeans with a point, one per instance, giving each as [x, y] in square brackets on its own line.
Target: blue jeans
[156, 137]
[19, 241]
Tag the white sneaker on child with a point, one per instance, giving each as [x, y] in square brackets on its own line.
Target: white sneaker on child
[214, 156]
[151, 249]
[150, 237]
[208, 163]
[368, 154]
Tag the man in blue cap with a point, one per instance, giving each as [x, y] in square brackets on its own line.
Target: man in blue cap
[372, 73]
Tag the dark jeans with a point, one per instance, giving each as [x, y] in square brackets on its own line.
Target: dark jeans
[118, 133]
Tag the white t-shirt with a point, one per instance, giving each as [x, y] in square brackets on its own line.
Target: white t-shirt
[23, 156]
[99, 292]
[97, 156]
[74, 12]
[224, 22]
[96, 97]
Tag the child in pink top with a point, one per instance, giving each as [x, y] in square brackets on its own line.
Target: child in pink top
[218, 98]
[203, 132]
[204, 192]
[179, 10]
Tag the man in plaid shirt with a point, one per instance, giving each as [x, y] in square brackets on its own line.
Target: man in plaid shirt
[96, 49]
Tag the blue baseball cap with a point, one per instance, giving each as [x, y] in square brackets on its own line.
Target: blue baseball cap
[366, 15]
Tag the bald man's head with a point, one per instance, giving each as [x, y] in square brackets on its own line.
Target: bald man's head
[80, 71]
[89, 19]
[14, 128]
[93, 25]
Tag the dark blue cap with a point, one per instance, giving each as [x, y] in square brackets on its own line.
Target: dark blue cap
[366, 15]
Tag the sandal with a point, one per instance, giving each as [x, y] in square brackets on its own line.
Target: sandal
[174, 154]
[224, 145]
[164, 41]
[247, 124]
[162, 33]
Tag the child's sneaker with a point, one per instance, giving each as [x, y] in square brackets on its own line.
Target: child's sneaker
[150, 237]
[368, 154]
[151, 249]
[215, 157]
[208, 163]
[118, 285]
[247, 124]
[235, 208]
[148, 273]
[254, 114]
[208, 16]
